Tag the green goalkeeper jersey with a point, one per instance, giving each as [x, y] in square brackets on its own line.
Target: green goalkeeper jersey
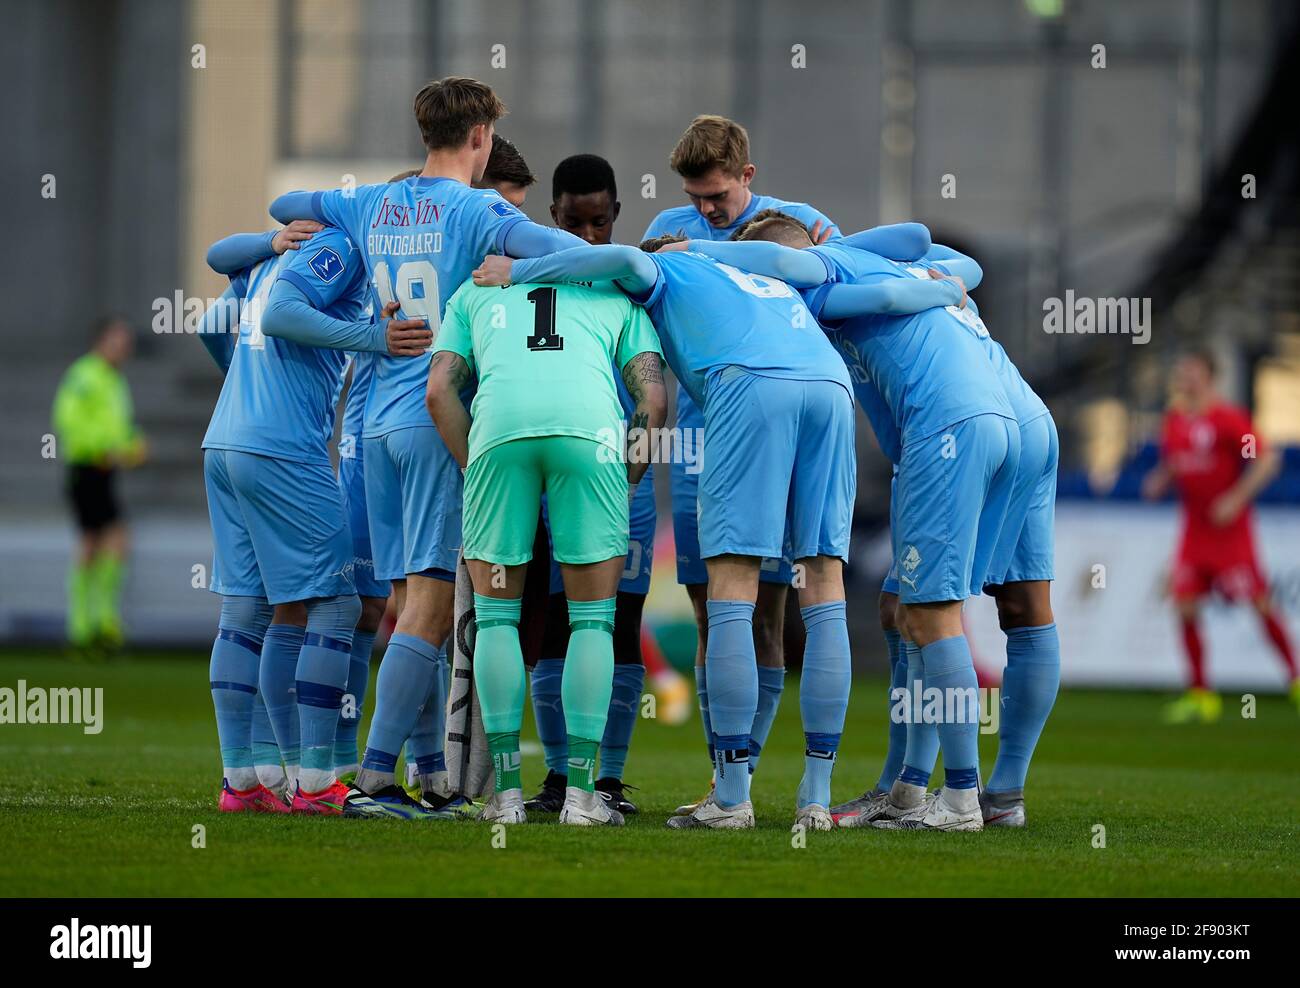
[545, 356]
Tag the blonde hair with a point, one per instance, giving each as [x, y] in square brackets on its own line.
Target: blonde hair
[711, 142]
[777, 227]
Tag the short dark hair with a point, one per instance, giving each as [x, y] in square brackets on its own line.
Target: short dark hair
[654, 243]
[100, 327]
[580, 174]
[1205, 357]
[448, 109]
[506, 164]
[774, 225]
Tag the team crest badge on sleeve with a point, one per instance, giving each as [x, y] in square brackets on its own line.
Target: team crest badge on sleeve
[326, 264]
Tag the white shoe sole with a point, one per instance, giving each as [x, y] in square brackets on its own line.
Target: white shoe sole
[577, 818]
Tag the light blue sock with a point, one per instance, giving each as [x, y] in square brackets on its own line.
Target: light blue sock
[232, 676]
[406, 678]
[430, 735]
[897, 728]
[345, 735]
[265, 751]
[320, 679]
[922, 749]
[548, 711]
[624, 703]
[702, 693]
[823, 696]
[949, 669]
[1029, 688]
[733, 694]
[771, 682]
[280, 652]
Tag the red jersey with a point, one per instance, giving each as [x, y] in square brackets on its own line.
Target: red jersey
[1203, 452]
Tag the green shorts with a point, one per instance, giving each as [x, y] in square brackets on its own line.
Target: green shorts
[586, 497]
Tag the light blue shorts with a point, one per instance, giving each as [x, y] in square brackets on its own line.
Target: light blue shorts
[1026, 549]
[278, 528]
[352, 484]
[684, 484]
[949, 504]
[789, 446]
[413, 502]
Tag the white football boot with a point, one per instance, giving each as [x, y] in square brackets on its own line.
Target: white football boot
[686, 809]
[712, 815]
[950, 809]
[814, 816]
[905, 801]
[504, 807]
[587, 809]
[1003, 809]
[861, 812]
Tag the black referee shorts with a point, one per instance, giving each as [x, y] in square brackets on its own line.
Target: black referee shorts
[93, 493]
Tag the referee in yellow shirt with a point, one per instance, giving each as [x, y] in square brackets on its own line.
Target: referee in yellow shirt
[96, 437]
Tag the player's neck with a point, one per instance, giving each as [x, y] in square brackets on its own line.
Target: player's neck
[453, 164]
[1199, 404]
[749, 198]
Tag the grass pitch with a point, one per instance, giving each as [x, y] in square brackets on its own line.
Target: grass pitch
[1193, 811]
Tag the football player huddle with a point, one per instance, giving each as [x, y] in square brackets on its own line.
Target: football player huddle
[505, 398]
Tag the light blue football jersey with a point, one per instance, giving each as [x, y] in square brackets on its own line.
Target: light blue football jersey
[420, 239]
[927, 375]
[1024, 399]
[869, 397]
[688, 221]
[279, 397]
[711, 315]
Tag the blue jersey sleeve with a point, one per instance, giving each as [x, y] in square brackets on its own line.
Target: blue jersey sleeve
[333, 207]
[529, 239]
[888, 297]
[899, 241]
[798, 268]
[240, 251]
[295, 206]
[219, 330]
[954, 262]
[290, 315]
[630, 267]
[326, 269]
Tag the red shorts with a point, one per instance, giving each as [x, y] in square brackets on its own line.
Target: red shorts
[1228, 568]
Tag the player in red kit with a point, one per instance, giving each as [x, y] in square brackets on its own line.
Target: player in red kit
[1211, 455]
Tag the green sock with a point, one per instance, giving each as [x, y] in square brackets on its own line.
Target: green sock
[587, 684]
[106, 582]
[582, 762]
[80, 623]
[499, 682]
[504, 748]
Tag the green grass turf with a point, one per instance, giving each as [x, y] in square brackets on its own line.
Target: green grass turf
[1207, 810]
